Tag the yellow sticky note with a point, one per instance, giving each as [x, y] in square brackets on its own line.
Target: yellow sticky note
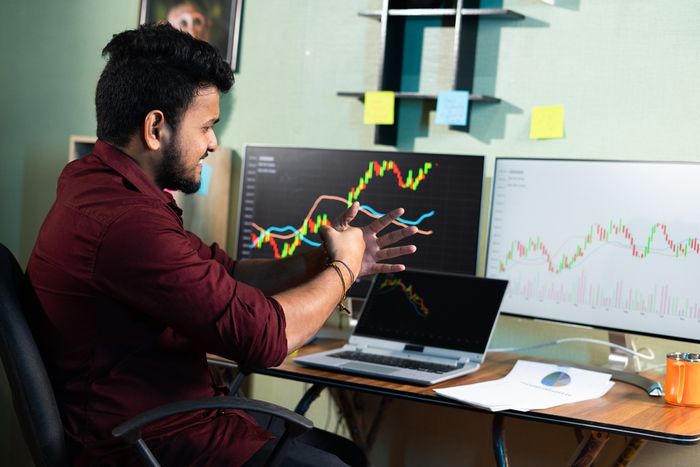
[379, 108]
[547, 122]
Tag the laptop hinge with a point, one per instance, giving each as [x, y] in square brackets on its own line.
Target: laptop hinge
[421, 350]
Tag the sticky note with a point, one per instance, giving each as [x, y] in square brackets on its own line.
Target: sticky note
[452, 108]
[547, 122]
[206, 180]
[379, 108]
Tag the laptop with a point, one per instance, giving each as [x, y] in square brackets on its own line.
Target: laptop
[419, 327]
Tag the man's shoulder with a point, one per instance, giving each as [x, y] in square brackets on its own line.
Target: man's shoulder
[97, 191]
[91, 202]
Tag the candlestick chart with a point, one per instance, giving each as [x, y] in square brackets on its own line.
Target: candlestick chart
[610, 244]
[454, 311]
[287, 194]
[415, 301]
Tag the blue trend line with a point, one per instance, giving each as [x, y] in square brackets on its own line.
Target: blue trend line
[400, 219]
[291, 228]
[309, 242]
[288, 228]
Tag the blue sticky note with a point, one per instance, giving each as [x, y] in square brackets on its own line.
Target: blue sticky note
[206, 180]
[452, 108]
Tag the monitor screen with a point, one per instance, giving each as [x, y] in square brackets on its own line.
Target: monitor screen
[609, 244]
[287, 193]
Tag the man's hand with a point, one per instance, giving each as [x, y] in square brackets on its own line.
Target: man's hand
[378, 248]
[346, 245]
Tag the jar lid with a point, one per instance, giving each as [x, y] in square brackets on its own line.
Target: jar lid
[676, 355]
[692, 357]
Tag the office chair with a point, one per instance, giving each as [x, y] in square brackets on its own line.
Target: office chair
[32, 395]
[35, 404]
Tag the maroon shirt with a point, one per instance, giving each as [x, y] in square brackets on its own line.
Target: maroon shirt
[131, 304]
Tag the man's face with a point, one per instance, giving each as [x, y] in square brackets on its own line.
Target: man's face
[189, 19]
[181, 167]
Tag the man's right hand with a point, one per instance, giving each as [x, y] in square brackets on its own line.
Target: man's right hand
[379, 248]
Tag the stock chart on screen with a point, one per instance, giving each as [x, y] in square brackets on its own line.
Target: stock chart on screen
[611, 244]
[288, 193]
[412, 298]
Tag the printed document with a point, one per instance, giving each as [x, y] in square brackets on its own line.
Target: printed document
[532, 385]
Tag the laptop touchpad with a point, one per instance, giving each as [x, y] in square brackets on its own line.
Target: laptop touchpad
[369, 367]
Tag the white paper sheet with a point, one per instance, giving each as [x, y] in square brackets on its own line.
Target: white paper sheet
[533, 385]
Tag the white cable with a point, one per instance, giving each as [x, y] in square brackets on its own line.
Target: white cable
[649, 356]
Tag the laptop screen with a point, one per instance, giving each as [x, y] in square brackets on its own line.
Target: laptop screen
[450, 311]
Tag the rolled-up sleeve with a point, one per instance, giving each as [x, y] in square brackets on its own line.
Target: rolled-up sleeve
[148, 262]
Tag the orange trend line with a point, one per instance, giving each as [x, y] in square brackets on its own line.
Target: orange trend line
[411, 295]
[335, 198]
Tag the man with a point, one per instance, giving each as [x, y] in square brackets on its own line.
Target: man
[132, 302]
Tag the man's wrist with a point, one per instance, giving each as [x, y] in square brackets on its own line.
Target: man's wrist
[316, 260]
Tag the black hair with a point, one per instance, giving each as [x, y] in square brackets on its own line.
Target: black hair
[153, 67]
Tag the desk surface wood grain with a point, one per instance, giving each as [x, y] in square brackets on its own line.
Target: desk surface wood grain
[625, 409]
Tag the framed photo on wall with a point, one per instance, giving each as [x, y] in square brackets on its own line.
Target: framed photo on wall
[215, 21]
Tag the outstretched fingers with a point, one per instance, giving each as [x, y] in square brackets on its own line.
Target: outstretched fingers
[394, 252]
[380, 268]
[342, 222]
[381, 223]
[396, 236]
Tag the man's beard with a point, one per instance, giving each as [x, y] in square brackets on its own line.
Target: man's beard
[173, 174]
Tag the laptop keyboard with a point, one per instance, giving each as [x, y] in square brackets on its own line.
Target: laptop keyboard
[395, 361]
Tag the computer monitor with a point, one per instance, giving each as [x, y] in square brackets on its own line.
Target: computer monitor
[287, 192]
[608, 244]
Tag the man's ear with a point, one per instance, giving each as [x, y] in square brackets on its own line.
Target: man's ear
[154, 128]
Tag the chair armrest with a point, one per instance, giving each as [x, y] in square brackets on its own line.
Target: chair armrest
[215, 360]
[131, 429]
[234, 384]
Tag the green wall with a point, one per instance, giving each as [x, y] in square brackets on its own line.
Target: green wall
[50, 64]
[626, 72]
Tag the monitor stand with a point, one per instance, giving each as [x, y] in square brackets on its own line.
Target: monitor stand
[617, 359]
[618, 366]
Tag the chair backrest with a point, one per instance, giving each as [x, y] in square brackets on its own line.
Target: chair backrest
[32, 394]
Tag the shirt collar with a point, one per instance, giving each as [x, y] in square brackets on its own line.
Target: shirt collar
[129, 169]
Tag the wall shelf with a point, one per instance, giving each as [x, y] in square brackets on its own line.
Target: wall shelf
[483, 12]
[475, 98]
[393, 17]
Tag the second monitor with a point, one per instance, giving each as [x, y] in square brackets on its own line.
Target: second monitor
[287, 193]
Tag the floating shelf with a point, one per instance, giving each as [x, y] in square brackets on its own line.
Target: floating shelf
[393, 26]
[476, 98]
[483, 12]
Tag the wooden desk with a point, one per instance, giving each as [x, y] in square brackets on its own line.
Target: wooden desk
[625, 410]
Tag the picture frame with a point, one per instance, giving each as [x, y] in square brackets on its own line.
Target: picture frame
[80, 146]
[215, 21]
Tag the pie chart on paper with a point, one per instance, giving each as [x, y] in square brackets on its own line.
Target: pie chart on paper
[557, 379]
